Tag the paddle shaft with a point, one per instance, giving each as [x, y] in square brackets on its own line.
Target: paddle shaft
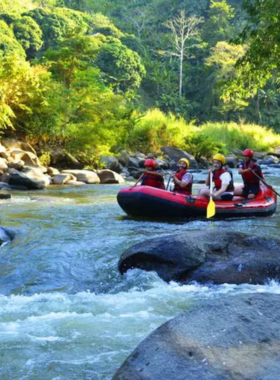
[138, 180]
[266, 184]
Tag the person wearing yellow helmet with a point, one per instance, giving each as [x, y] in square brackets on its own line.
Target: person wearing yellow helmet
[222, 180]
[182, 179]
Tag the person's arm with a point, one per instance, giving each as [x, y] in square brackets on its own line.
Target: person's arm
[225, 178]
[187, 178]
[207, 182]
[157, 174]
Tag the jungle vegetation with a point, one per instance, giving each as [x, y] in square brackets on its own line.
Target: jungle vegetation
[96, 76]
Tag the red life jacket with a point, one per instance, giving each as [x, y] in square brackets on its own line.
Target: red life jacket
[149, 179]
[187, 189]
[249, 178]
[218, 182]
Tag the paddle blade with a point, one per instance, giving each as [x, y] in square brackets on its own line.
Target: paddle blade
[211, 209]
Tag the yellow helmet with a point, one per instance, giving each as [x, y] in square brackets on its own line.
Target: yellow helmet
[219, 157]
[186, 161]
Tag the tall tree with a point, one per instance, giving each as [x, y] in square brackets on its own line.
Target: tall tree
[185, 32]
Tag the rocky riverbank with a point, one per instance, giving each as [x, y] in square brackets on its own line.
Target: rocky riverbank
[21, 169]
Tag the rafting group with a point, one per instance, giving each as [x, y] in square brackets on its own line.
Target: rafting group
[223, 187]
[218, 198]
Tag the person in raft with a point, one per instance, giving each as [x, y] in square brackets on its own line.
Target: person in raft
[222, 181]
[247, 168]
[151, 177]
[182, 179]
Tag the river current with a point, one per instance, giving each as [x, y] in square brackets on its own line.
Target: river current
[65, 311]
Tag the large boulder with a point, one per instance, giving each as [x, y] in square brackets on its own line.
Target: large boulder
[6, 235]
[108, 176]
[226, 257]
[62, 159]
[175, 155]
[86, 176]
[16, 144]
[232, 338]
[37, 174]
[22, 182]
[3, 164]
[111, 163]
[29, 158]
[61, 179]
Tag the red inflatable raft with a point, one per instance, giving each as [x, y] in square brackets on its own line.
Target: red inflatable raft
[145, 201]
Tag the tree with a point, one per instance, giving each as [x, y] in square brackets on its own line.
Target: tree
[262, 34]
[29, 35]
[122, 67]
[184, 30]
[218, 27]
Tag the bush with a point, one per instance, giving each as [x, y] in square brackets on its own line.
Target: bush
[241, 136]
[155, 129]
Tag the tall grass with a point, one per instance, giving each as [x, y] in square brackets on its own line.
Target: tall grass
[241, 136]
[156, 129]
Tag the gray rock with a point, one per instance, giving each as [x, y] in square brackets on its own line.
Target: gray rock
[16, 144]
[52, 171]
[227, 257]
[111, 163]
[75, 183]
[3, 164]
[231, 161]
[30, 159]
[86, 176]
[21, 181]
[61, 179]
[133, 163]
[6, 235]
[4, 186]
[37, 174]
[108, 176]
[175, 154]
[63, 159]
[233, 338]
[162, 164]
[123, 158]
[5, 196]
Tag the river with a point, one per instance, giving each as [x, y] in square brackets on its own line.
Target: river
[65, 311]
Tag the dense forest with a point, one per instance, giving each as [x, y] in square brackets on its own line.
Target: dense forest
[96, 76]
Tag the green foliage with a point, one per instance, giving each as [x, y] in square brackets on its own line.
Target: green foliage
[232, 135]
[29, 35]
[218, 27]
[15, 6]
[45, 159]
[155, 129]
[200, 145]
[22, 89]
[122, 67]
[58, 24]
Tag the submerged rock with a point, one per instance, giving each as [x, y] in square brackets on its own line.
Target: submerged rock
[233, 338]
[226, 257]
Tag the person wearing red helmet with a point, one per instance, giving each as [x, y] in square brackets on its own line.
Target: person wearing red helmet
[182, 179]
[151, 177]
[247, 168]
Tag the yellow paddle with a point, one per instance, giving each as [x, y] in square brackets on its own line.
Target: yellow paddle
[211, 208]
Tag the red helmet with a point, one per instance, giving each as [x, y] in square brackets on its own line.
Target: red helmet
[248, 153]
[150, 162]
